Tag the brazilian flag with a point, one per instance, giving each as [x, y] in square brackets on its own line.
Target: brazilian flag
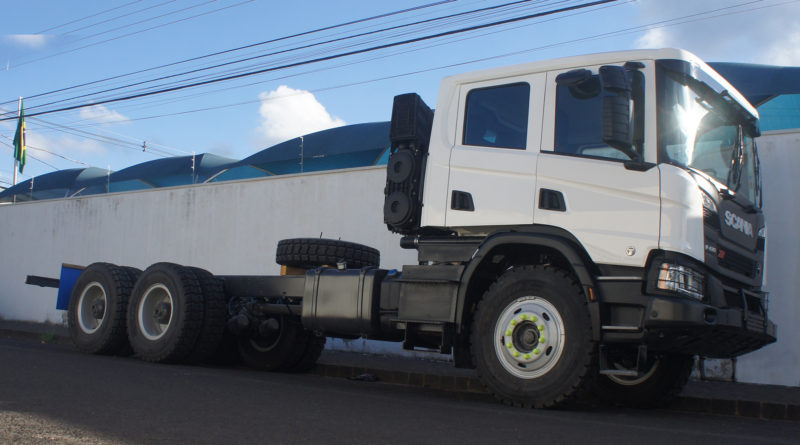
[19, 139]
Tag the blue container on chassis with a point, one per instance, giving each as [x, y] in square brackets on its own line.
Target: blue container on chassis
[69, 275]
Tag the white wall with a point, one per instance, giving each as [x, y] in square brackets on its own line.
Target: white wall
[233, 228]
[779, 363]
[228, 228]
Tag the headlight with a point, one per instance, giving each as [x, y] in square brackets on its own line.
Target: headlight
[680, 279]
[708, 203]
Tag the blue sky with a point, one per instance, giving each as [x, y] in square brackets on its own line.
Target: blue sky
[47, 45]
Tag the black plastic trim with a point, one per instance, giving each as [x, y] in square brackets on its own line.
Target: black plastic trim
[546, 236]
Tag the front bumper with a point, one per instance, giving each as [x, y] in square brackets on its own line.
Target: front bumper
[681, 325]
[690, 327]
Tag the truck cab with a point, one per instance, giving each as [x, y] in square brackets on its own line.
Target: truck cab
[636, 173]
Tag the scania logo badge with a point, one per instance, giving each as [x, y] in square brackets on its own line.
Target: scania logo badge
[737, 222]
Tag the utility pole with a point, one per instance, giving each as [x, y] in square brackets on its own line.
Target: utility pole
[301, 154]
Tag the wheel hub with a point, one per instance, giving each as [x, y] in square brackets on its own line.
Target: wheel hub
[154, 312]
[525, 336]
[91, 308]
[530, 335]
[162, 313]
[98, 308]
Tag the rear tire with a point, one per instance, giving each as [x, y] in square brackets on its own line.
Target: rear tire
[665, 377]
[165, 314]
[308, 253]
[215, 314]
[532, 338]
[97, 309]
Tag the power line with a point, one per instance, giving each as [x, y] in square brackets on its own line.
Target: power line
[87, 17]
[331, 57]
[313, 31]
[34, 157]
[139, 31]
[653, 25]
[481, 10]
[122, 16]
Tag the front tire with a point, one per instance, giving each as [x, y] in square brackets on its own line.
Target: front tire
[663, 378]
[532, 338]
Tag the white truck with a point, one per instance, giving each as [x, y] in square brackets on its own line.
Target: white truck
[584, 225]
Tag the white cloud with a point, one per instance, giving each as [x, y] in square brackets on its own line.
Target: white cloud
[85, 150]
[287, 113]
[766, 32]
[101, 114]
[654, 38]
[35, 41]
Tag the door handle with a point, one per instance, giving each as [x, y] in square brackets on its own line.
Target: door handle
[552, 200]
[462, 201]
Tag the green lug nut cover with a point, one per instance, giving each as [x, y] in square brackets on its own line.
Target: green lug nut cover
[537, 351]
[509, 345]
[534, 318]
[541, 328]
[541, 340]
[527, 356]
[516, 354]
[508, 333]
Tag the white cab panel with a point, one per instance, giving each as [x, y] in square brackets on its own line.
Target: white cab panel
[682, 213]
[500, 181]
[612, 211]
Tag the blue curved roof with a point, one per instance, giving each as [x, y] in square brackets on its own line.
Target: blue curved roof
[180, 170]
[343, 147]
[58, 184]
[760, 83]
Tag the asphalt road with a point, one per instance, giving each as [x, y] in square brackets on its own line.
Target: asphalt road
[53, 394]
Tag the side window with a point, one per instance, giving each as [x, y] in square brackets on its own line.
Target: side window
[497, 116]
[579, 120]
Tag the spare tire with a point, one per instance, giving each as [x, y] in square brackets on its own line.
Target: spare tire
[308, 253]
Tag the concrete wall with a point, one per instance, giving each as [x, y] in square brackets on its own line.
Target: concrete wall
[228, 228]
[779, 363]
[233, 228]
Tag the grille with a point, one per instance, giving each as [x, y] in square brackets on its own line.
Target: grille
[738, 263]
[710, 219]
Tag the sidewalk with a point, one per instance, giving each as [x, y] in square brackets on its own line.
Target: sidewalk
[726, 398]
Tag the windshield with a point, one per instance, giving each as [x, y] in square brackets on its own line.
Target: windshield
[701, 130]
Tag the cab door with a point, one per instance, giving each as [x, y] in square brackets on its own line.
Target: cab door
[610, 207]
[492, 177]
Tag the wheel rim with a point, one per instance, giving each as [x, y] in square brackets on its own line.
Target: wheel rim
[155, 311]
[633, 381]
[529, 337]
[92, 307]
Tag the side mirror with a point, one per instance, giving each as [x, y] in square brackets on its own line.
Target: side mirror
[617, 117]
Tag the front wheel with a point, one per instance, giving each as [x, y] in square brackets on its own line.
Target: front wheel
[532, 338]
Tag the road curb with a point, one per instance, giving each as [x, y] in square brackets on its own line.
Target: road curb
[51, 333]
